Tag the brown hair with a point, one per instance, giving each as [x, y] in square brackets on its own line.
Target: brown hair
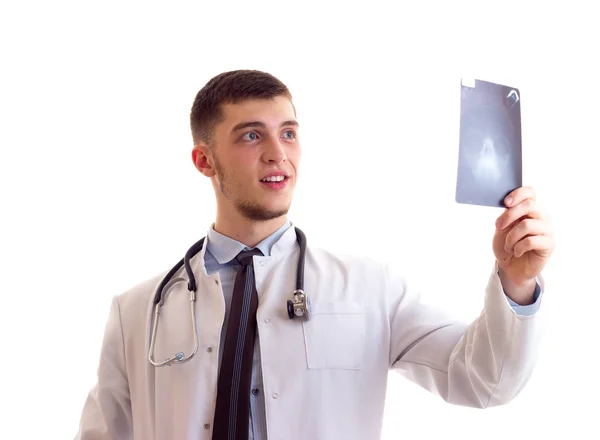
[230, 88]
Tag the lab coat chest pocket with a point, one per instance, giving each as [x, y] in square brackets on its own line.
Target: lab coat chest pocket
[334, 337]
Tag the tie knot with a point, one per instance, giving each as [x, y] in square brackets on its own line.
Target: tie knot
[245, 257]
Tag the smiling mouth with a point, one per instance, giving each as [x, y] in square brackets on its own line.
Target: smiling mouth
[273, 179]
[275, 182]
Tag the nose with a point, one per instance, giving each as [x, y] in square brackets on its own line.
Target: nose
[274, 151]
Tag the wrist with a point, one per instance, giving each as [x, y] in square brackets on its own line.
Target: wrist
[521, 291]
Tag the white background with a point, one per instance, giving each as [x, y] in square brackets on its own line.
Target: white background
[98, 190]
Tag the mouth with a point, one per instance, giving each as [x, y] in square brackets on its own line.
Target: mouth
[275, 182]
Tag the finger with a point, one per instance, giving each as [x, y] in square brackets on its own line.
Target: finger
[527, 208]
[518, 195]
[538, 243]
[522, 229]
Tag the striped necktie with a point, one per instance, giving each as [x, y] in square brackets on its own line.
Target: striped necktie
[232, 410]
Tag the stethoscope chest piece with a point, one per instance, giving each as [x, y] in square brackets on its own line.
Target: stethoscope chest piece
[299, 306]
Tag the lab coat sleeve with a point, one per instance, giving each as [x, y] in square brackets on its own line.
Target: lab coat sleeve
[482, 364]
[106, 412]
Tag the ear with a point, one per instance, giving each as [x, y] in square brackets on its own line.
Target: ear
[202, 158]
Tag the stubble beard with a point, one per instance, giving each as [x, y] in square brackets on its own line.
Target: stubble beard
[249, 209]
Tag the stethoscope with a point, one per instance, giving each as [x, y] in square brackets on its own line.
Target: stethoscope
[299, 305]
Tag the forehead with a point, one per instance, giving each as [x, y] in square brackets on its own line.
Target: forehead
[270, 111]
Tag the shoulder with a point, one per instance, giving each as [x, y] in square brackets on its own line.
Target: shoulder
[358, 264]
[363, 269]
[134, 302]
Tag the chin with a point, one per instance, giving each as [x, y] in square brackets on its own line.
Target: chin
[263, 213]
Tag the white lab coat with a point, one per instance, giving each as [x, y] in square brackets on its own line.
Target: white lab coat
[323, 379]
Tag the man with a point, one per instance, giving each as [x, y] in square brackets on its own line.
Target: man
[259, 374]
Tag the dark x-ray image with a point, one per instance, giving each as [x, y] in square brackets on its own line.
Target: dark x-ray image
[490, 159]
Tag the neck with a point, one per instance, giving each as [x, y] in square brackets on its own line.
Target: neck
[246, 231]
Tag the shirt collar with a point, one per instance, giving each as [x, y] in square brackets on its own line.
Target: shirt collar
[225, 249]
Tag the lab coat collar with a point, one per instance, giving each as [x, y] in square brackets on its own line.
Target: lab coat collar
[286, 243]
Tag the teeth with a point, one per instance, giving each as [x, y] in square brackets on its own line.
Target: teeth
[273, 179]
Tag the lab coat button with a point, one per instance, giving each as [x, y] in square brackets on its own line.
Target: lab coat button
[209, 349]
[262, 262]
[275, 395]
[255, 391]
[207, 426]
[267, 320]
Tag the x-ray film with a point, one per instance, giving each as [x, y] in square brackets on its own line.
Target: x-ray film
[489, 156]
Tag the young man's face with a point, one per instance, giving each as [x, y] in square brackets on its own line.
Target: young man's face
[256, 139]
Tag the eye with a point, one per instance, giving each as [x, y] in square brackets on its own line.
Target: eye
[289, 134]
[250, 136]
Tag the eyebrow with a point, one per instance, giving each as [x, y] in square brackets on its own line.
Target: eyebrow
[252, 124]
